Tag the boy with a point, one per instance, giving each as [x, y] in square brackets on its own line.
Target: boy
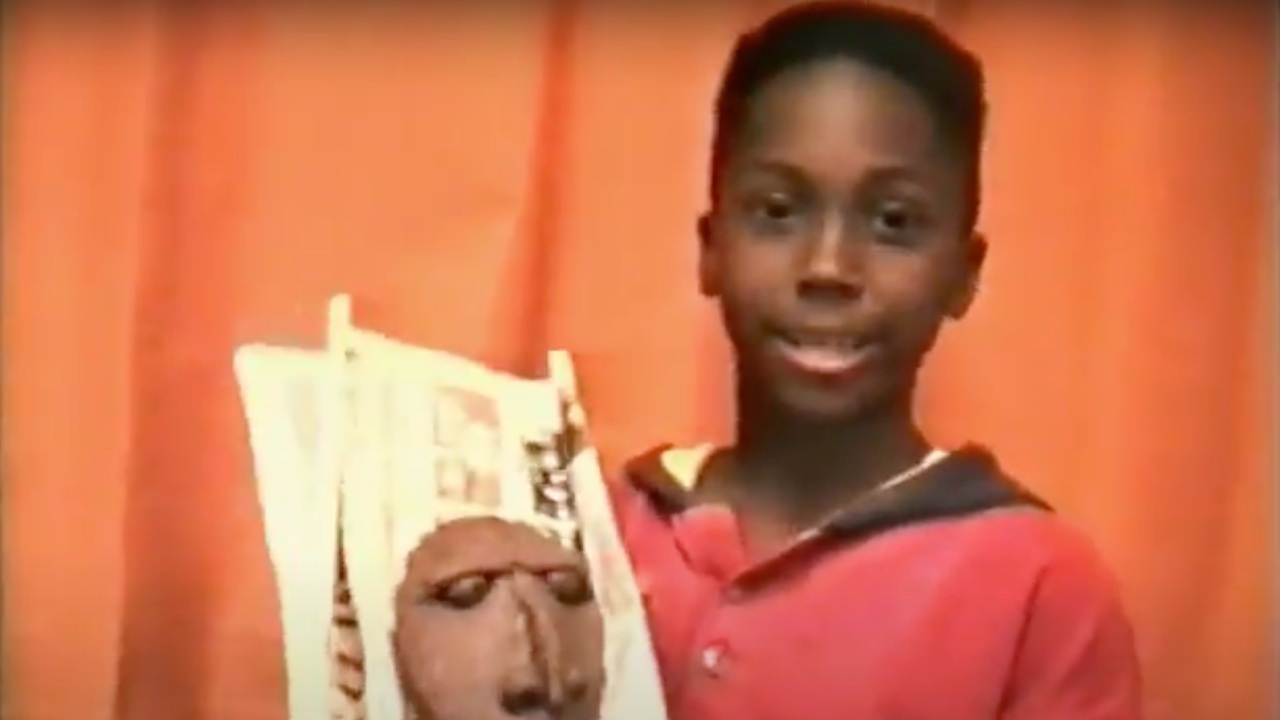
[832, 564]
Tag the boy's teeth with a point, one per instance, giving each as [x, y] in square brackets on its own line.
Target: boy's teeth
[824, 343]
[823, 356]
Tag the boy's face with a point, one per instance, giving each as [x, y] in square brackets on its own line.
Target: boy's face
[838, 241]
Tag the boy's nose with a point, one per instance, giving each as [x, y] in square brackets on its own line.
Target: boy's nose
[829, 270]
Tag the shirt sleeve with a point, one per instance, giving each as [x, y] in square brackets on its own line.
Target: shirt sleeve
[1077, 658]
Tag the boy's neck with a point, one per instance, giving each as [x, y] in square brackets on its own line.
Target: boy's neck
[799, 472]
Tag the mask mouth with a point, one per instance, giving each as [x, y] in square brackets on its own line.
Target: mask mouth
[824, 353]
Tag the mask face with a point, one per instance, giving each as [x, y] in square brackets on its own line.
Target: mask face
[494, 620]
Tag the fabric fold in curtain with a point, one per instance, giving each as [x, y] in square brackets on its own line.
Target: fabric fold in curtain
[497, 181]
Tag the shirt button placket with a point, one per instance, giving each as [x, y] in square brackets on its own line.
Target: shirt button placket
[715, 653]
[713, 658]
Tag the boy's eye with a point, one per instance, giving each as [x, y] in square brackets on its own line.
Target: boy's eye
[772, 211]
[775, 209]
[893, 222]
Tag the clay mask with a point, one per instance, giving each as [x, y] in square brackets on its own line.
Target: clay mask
[495, 620]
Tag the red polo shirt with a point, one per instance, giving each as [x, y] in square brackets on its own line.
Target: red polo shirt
[955, 596]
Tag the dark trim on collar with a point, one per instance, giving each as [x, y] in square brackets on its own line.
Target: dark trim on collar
[967, 481]
[647, 474]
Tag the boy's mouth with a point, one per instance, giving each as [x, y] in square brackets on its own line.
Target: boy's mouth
[823, 354]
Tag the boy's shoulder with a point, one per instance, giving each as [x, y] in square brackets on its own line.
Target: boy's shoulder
[1050, 555]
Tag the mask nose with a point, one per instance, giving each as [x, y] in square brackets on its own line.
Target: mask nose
[537, 685]
[528, 702]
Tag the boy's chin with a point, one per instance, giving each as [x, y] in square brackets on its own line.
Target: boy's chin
[822, 406]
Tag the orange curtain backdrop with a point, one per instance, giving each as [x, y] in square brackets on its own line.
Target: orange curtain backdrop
[500, 181]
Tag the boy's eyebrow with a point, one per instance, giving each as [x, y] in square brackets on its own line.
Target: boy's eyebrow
[881, 172]
[897, 173]
[768, 166]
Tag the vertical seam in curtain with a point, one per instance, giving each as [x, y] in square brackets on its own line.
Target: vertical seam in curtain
[176, 49]
[544, 198]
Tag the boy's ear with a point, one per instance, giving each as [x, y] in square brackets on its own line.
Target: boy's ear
[708, 258]
[966, 289]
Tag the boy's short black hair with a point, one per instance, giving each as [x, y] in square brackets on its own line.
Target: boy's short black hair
[908, 46]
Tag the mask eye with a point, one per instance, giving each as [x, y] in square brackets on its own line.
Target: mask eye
[460, 593]
[570, 586]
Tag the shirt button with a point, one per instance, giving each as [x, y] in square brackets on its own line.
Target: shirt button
[713, 657]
